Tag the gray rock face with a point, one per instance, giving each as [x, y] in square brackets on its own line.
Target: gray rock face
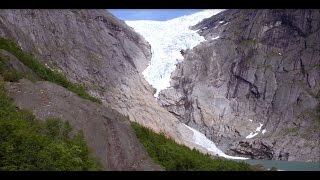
[264, 68]
[254, 149]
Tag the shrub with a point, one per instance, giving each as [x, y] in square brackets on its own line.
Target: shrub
[175, 157]
[273, 169]
[7, 73]
[27, 143]
[11, 75]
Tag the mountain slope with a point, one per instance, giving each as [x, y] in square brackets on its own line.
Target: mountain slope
[88, 51]
[253, 86]
[107, 132]
[93, 48]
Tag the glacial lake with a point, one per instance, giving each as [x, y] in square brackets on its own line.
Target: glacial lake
[287, 165]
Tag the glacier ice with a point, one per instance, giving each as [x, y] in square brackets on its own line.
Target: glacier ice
[167, 39]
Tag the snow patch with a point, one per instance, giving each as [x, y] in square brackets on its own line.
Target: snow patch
[253, 134]
[201, 140]
[214, 38]
[225, 24]
[220, 22]
[250, 120]
[264, 131]
[278, 23]
[167, 38]
[259, 128]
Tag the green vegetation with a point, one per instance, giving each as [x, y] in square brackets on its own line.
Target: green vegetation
[43, 72]
[11, 75]
[7, 73]
[259, 167]
[273, 169]
[27, 143]
[175, 157]
[286, 131]
[249, 42]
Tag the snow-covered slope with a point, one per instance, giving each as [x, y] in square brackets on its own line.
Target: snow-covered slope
[167, 39]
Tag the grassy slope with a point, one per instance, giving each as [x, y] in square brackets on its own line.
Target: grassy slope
[175, 157]
[44, 72]
[8, 73]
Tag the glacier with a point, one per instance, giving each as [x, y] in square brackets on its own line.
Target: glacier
[167, 39]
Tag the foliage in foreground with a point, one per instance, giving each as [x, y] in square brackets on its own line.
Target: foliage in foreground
[273, 169]
[43, 72]
[7, 73]
[27, 143]
[175, 157]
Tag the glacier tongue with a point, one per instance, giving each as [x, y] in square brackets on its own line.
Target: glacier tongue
[167, 39]
[201, 140]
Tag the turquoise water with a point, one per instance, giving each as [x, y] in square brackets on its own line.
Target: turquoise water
[287, 165]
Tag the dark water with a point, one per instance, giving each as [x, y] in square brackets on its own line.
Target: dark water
[287, 165]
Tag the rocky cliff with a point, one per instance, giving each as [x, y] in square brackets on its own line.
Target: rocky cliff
[253, 86]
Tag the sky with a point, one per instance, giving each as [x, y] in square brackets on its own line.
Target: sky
[151, 14]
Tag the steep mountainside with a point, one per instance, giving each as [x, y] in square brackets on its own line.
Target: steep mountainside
[93, 48]
[253, 86]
